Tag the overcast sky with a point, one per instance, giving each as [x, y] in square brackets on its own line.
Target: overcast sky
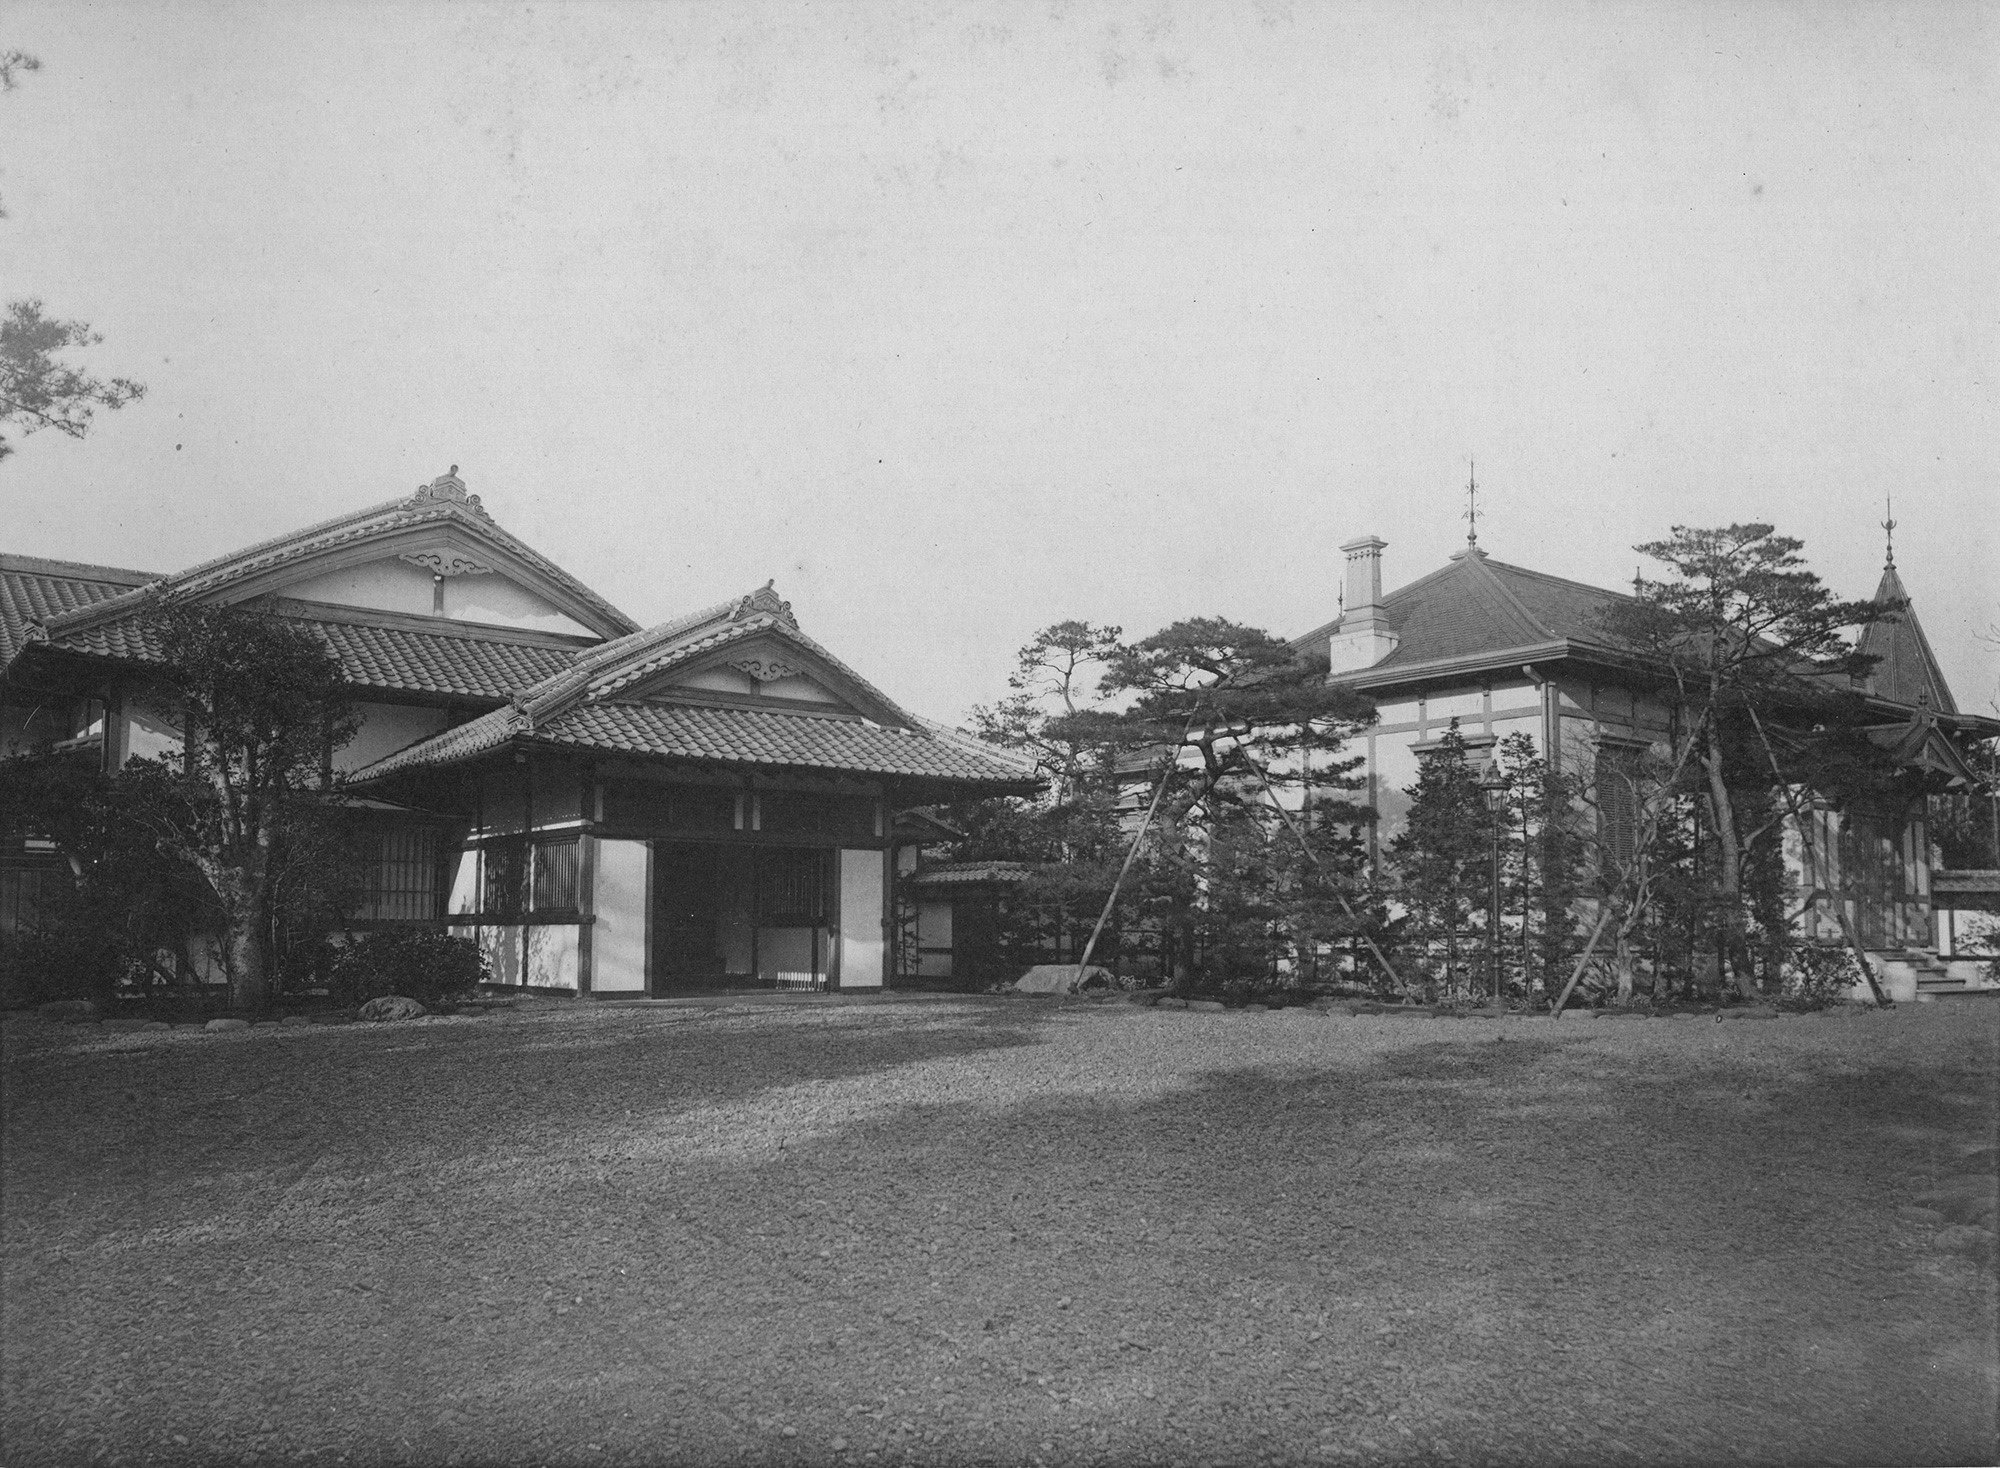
[959, 320]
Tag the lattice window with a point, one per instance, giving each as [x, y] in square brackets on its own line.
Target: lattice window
[791, 888]
[505, 866]
[557, 864]
[403, 881]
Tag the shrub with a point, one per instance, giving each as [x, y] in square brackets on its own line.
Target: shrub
[1818, 978]
[419, 963]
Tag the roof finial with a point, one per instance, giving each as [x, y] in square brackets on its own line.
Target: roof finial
[1471, 516]
[1889, 530]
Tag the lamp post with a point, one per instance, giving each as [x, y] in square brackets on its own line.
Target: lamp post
[1493, 785]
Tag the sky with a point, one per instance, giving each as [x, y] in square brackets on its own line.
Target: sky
[959, 320]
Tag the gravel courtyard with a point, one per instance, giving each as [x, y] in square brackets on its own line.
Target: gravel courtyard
[999, 1231]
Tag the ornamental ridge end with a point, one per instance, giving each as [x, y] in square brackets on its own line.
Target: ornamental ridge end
[448, 489]
[766, 600]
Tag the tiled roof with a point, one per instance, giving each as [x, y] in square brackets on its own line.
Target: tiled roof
[1908, 670]
[714, 735]
[397, 659]
[1478, 607]
[442, 502]
[33, 590]
[591, 704]
[968, 873]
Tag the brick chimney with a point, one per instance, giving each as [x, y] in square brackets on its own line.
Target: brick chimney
[1363, 637]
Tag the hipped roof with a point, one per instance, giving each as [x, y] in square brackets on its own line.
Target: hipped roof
[1475, 608]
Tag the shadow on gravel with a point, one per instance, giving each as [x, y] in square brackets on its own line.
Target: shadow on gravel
[987, 1234]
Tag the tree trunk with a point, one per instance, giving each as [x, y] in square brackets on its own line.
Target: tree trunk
[245, 900]
[1731, 942]
[1621, 965]
[248, 977]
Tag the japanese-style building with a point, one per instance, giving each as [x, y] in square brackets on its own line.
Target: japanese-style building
[1498, 649]
[609, 810]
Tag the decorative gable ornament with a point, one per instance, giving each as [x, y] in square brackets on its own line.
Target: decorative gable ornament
[766, 601]
[765, 670]
[449, 489]
[447, 563]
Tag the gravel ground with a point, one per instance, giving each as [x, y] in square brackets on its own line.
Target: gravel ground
[1006, 1231]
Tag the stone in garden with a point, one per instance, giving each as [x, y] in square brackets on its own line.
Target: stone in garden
[391, 1006]
[1209, 1004]
[158, 1024]
[1169, 1002]
[218, 1026]
[70, 1011]
[1060, 978]
[296, 1019]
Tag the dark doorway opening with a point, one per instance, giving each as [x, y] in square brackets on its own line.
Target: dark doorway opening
[739, 917]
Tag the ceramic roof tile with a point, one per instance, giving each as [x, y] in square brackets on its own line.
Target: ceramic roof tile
[706, 734]
[967, 873]
[390, 658]
[34, 590]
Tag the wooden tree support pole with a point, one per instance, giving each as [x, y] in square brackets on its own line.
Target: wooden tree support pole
[1882, 1001]
[1313, 857]
[1131, 854]
[1583, 961]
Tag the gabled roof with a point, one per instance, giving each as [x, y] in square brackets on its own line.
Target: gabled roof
[1907, 671]
[437, 511]
[34, 590]
[1476, 608]
[612, 700]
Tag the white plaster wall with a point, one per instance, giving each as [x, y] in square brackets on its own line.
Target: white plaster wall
[798, 686]
[552, 949]
[389, 585]
[465, 884]
[1394, 765]
[386, 728]
[864, 952]
[618, 939]
[501, 943]
[721, 680]
[1465, 707]
[504, 603]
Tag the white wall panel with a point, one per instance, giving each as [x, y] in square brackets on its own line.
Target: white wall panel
[864, 951]
[618, 938]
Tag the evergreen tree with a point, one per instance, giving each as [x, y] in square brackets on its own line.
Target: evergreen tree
[1440, 858]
